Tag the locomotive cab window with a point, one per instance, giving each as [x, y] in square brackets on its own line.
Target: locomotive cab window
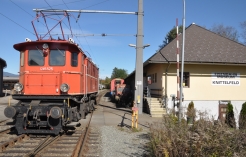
[57, 57]
[22, 58]
[35, 58]
[74, 59]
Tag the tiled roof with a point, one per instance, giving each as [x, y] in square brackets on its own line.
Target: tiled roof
[202, 46]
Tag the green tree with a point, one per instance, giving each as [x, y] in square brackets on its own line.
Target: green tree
[107, 82]
[225, 31]
[242, 117]
[230, 119]
[172, 34]
[119, 73]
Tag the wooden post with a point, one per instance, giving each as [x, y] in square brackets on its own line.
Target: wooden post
[134, 117]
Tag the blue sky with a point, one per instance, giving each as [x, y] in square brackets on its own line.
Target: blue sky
[113, 50]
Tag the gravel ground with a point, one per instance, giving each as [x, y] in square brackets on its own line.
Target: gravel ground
[123, 142]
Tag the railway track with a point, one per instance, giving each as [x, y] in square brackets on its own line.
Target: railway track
[92, 141]
[83, 141]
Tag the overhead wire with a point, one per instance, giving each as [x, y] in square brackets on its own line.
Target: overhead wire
[17, 23]
[78, 23]
[75, 36]
[66, 25]
[66, 3]
[96, 4]
[21, 8]
[80, 26]
[57, 15]
[25, 11]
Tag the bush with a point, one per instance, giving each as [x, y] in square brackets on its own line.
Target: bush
[204, 138]
[230, 119]
[242, 117]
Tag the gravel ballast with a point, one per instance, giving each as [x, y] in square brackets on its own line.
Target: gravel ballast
[123, 142]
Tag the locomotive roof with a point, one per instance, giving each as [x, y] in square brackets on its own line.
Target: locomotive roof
[21, 46]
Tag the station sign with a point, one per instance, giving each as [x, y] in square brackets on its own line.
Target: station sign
[225, 79]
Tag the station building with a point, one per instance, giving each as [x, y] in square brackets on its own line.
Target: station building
[2, 66]
[214, 72]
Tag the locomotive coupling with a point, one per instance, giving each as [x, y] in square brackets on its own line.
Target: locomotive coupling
[55, 112]
[9, 112]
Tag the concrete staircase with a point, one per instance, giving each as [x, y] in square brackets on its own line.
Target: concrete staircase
[156, 107]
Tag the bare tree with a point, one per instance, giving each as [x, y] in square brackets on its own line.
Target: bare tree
[243, 34]
[225, 31]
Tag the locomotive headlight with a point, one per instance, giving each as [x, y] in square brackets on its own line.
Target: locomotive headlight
[18, 87]
[64, 87]
[45, 46]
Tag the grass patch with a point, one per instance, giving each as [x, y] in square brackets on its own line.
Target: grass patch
[136, 129]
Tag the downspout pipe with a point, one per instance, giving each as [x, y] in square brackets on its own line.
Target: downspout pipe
[166, 72]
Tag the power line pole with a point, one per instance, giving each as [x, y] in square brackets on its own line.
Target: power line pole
[182, 68]
[139, 60]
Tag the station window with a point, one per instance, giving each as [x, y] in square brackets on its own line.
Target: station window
[35, 58]
[155, 77]
[149, 79]
[186, 79]
[57, 57]
[152, 78]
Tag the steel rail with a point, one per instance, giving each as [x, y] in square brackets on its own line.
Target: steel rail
[5, 130]
[3, 120]
[80, 147]
[36, 148]
[43, 145]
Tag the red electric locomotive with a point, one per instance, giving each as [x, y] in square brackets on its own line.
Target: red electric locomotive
[114, 83]
[121, 93]
[58, 83]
